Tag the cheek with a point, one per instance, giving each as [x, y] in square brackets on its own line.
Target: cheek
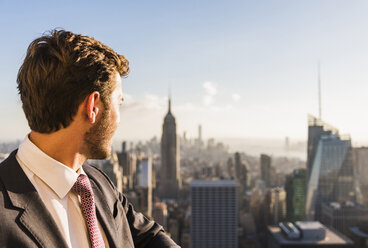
[115, 116]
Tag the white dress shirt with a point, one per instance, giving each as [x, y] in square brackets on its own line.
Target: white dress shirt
[53, 182]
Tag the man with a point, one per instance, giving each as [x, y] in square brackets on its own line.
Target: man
[70, 87]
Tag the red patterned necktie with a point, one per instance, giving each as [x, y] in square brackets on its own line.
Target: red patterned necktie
[83, 188]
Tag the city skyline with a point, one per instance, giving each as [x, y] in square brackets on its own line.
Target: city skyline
[244, 69]
[243, 125]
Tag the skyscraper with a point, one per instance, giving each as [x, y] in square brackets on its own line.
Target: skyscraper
[295, 195]
[360, 158]
[214, 214]
[115, 172]
[144, 185]
[170, 182]
[159, 213]
[316, 129]
[128, 161]
[199, 133]
[144, 172]
[275, 202]
[266, 169]
[331, 175]
[343, 216]
[242, 173]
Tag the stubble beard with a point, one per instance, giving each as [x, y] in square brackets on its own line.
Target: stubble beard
[98, 138]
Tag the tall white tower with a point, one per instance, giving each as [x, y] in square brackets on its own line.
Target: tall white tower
[170, 182]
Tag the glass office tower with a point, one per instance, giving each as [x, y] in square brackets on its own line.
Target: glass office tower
[331, 174]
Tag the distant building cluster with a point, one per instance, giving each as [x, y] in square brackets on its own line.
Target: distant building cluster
[205, 195]
[329, 191]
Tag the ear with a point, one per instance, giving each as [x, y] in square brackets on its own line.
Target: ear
[92, 106]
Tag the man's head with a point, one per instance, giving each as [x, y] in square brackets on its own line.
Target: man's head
[98, 138]
[61, 71]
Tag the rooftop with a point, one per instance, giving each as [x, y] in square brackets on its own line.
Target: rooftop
[213, 183]
[305, 225]
[332, 237]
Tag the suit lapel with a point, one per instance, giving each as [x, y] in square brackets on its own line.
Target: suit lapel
[104, 215]
[33, 216]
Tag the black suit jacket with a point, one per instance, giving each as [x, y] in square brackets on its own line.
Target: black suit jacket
[25, 221]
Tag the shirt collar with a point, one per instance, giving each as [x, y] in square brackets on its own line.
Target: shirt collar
[59, 177]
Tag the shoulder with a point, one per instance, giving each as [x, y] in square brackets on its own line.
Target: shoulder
[10, 171]
[97, 174]
[101, 180]
[9, 160]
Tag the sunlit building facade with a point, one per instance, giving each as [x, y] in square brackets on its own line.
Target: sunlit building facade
[275, 205]
[331, 174]
[316, 129]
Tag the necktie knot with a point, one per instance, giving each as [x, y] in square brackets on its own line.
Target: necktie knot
[82, 186]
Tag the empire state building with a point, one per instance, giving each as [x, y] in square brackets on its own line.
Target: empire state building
[170, 162]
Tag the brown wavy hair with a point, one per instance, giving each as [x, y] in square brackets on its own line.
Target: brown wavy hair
[59, 71]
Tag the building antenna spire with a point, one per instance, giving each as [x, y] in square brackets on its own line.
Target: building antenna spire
[319, 92]
[169, 97]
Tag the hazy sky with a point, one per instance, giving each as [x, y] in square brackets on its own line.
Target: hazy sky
[239, 68]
